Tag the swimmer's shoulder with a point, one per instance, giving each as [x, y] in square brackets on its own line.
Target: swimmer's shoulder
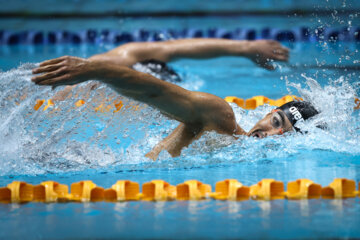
[215, 112]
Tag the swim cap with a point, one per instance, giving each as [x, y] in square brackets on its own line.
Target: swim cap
[298, 111]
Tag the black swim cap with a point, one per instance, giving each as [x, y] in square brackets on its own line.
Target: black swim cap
[160, 70]
[298, 111]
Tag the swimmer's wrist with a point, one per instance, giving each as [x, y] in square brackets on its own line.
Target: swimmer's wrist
[243, 48]
[252, 48]
[96, 68]
[106, 71]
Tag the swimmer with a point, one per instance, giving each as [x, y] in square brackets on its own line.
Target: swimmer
[154, 56]
[197, 112]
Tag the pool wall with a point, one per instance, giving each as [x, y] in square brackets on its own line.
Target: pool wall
[121, 7]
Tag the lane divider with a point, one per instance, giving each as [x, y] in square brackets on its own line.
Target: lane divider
[267, 189]
[50, 191]
[92, 36]
[303, 189]
[340, 188]
[249, 104]
[159, 190]
[192, 190]
[86, 191]
[123, 190]
[254, 102]
[230, 189]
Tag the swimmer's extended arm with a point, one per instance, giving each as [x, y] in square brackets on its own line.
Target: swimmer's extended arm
[196, 109]
[260, 51]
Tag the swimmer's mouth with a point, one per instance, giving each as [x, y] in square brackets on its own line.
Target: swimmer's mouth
[257, 133]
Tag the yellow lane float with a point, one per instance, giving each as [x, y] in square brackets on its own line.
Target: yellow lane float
[118, 105]
[158, 190]
[17, 192]
[5, 195]
[340, 188]
[231, 189]
[303, 189]
[254, 102]
[257, 101]
[38, 104]
[192, 190]
[123, 190]
[357, 103]
[251, 103]
[267, 189]
[50, 103]
[51, 191]
[79, 103]
[86, 191]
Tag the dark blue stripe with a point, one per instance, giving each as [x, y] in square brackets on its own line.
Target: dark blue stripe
[119, 37]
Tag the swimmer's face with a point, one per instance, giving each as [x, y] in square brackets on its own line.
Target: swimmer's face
[274, 123]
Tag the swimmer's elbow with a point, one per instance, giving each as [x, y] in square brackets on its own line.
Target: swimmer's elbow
[149, 51]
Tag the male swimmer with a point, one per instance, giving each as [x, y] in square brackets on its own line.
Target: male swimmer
[197, 112]
[153, 56]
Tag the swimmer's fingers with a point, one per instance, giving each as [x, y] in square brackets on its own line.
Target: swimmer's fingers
[265, 63]
[53, 61]
[284, 57]
[56, 81]
[281, 54]
[48, 68]
[276, 44]
[44, 77]
[284, 51]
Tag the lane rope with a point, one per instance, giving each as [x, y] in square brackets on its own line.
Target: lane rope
[159, 190]
[117, 105]
[92, 36]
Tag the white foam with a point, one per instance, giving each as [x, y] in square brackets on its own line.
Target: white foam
[74, 139]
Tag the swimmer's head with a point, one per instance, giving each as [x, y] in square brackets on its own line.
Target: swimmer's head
[283, 119]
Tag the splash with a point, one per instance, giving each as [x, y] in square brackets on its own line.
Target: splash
[69, 137]
[66, 137]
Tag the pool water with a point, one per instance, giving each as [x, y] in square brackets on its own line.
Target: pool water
[68, 144]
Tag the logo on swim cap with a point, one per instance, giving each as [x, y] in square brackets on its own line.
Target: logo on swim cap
[297, 115]
[298, 111]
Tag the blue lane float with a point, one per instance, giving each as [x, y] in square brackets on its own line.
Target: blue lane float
[118, 37]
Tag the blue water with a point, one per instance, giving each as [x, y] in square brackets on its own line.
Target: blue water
[77, 144]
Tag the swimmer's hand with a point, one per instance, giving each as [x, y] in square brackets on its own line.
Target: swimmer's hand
[262, 52]
[65, 70]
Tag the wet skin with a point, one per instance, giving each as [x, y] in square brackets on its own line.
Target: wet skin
[197, 112]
